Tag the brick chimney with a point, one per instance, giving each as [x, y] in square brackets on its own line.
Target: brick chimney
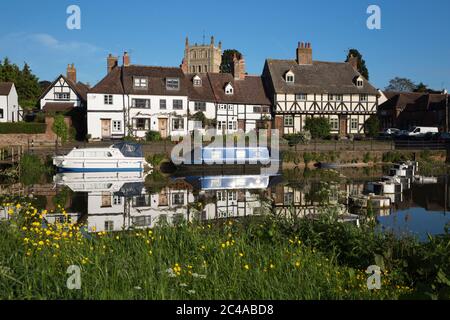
[238, 67]
[304, 53]
[111, 62]
[71, 73]
[126, 59]
[353, 61]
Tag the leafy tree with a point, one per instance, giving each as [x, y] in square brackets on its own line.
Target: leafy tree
[227, 60]
[318, 127]
[27, 84]
[60, 128]
[362, 68]
[373, 126]
[401, 85]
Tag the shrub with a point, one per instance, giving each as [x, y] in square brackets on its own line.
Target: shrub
[152, 136]
[296, 138]
[22, 127]
[367, 158]
[318, 127]
[156, 159]
[60, 128]
[308, 157]
[372, 126]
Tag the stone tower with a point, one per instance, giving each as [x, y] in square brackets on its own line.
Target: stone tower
[202, 58]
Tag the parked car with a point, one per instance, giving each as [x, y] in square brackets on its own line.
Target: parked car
[422, 131]
[441, 137]
[391, 131]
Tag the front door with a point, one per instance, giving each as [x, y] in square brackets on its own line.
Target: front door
[106, 128]
[343, 125]
[163, 128]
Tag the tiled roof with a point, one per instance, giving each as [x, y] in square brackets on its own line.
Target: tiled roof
[319, 77]
[58, 107]
[5, 88]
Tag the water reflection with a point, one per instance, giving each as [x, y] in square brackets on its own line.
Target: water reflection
[121, 201]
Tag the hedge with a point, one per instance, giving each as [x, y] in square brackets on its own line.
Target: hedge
[22, 127]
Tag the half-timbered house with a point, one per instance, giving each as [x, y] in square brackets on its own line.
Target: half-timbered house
[303, 88]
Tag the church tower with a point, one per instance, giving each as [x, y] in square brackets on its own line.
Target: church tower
[202, 58]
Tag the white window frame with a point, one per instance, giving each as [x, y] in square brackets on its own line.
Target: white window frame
[288, 123]
[334, 124]
[108, 99]
[162, 105]
[301, 97]
[173, 84]
[176, 101]
[363, 97]
[140, 83]
[147, 103]
[200, 106]
[180, 122]
[62, 96]
[117, 126]
[354, 123]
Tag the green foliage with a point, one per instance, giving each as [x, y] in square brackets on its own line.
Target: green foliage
[40, 117]
[401, 85]
[296, 138]
[372, 126]
[395, 156]
[362, 68]
[27, 84]
[32, 169]
[318, 127]
[60, 128]
[156, 159]
[156, 181]
[152, 136]
[291, 156]
[22, 127]
[227, 60]
[367, 157]
[307, 158]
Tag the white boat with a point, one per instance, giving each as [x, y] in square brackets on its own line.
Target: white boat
[121, 156]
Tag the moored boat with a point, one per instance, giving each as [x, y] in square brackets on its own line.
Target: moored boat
[121, 156]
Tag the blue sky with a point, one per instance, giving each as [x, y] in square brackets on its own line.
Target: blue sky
[413, 42]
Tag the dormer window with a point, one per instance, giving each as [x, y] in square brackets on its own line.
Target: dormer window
[197, 81]
[140, 83]
[173, 84]
[359, 81]
[289, 77]
[229, 89]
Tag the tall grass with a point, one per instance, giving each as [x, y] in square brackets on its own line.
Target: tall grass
[247, 259]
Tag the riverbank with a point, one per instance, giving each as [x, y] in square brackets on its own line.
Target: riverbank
[259, 258]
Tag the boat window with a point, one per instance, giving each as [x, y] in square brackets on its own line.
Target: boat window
[240, 154]
[90, 154]
[78, 154]
[216, 155]
[215, 183]
[108, 154]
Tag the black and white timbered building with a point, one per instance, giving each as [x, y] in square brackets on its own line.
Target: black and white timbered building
[305, 88]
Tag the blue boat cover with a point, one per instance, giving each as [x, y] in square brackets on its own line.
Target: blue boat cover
[129, 149]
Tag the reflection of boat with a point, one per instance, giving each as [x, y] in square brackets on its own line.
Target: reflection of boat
[406, 169]
[231, 155]
[121, 156]
[98, 181]
[231, 182]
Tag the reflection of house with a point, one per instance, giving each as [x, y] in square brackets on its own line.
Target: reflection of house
[406, 109]
[10, 111]
[132, 99]
[305, 88]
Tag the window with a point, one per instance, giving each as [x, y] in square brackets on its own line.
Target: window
[117, 200]
[173, 84]
[140, 83]
[108, 99]
[229, 89]
[178, 124]
[230, 107]
[288, 198]
[231, 125]
[334, 123]
[163, 104]
[256, 109]
[221, 125]
[141, 103]
[265, 109]
[290, 77]
[363, 97]
[109, 225]
[178, 199]
[62, 96]
[288, 121]
[354, 124]
[197, 81]
[141, 124]
[300, 97]
[1, 114]
[141, 221]
[117, 125]
[335, 97]
[222, 107]
[177, 104]
[359, 83]
[200, 106]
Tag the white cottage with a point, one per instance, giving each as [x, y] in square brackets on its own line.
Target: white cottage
[10, 111]
[132, 100]
[305, 88]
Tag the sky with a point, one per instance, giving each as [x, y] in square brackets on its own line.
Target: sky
[413, 42]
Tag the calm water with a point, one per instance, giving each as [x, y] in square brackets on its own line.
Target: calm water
[115, 202]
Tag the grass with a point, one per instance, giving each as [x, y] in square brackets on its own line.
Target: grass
[258, 258]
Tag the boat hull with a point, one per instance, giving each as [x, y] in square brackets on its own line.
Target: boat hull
[65, 164]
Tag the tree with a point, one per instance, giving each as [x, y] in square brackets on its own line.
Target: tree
[59, 127]
[401, 85]
[373, 126]
[362, 68]
[27, 84]
[318, 127]
[227, 60]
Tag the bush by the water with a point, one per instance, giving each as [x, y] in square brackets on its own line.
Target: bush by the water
[22, 127]
[152, 136]
[318, 127]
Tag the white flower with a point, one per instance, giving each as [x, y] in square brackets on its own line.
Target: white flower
[191, 291]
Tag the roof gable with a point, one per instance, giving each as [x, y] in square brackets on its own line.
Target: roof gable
[5, 88]
[80, 89]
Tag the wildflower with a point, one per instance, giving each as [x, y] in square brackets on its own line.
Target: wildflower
[24, 228]
[41, 243]
[241, 254]
[18, 206]
[183, 285]
[272, 266]
[297, 264]
[246, 267]
[138, 288]
[26, 240]
[191, 291]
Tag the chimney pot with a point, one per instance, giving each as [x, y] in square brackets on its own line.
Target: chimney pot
[126, 59]
[304, 53]
[71, 73]
[111, 62]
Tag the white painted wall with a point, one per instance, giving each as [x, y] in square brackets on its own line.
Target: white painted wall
[61, 86]
[10, 106]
